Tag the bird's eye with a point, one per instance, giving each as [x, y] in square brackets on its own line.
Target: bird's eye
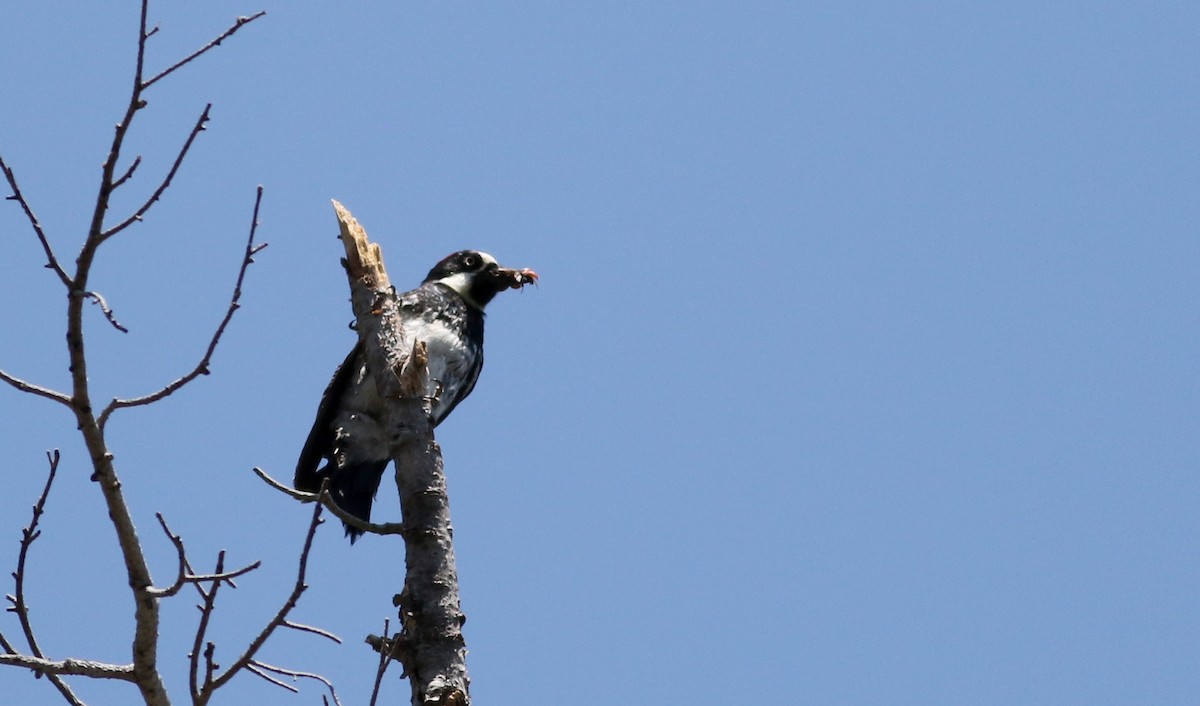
[471, 261]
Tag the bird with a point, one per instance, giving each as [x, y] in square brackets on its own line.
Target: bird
[348, 443]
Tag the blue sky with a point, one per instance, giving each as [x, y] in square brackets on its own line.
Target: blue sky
[862, 368]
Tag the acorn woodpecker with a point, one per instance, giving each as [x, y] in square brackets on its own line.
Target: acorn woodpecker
[446, 312]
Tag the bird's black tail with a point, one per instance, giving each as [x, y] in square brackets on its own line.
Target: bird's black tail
[353, 488]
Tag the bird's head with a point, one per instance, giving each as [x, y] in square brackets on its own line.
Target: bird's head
[477, 277]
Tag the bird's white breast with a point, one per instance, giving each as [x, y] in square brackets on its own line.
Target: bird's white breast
[448, 357]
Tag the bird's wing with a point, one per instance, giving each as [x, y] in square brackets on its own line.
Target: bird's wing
[453, 397]
[319, 445]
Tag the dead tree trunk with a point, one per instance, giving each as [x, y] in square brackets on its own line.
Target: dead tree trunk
[430, 643]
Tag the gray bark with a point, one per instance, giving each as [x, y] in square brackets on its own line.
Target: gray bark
[430, 643]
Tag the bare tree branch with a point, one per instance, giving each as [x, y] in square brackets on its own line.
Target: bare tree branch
[146, 605]
[208, 601]
[28, 536]
[314, 630]
[143, 670]
[327, 500]
[166, 182]
[177, 541]
[224, 576]
[70, 668]
[201, 368]
[108, 312]
[6, 645]
[87, 253]
[51, 260]
[281, 616]
[382, 528]
[33, 389]
[137, 161]
[238, 24]
[301, 495]
[185, 576]
[202, 688]
[252, 667]
[260, 667]
[385, 658]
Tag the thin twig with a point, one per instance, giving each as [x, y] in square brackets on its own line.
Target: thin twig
[301, 495]
[385, 658]
[314, 630]
[95, 237]
[241, 22]
[28, 536]
[253, 668]
[108, 312]
[128, 172]
[224, 576]
[281, 616]
[359, 523]
[208, 601]
[33, 389]
[51, 260]
[177, 541]
[184, 574]
[295, 675]
[202, 367]
[327, 500]
[202, 690]
[166, 182]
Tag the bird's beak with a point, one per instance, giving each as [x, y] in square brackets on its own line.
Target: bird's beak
[507, 278]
